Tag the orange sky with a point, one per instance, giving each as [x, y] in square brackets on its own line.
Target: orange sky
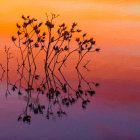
[104, 9]
[114, 24]
[100, 18]
[93, 12]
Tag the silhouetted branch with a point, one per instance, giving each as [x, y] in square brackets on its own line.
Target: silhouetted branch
[55, 50]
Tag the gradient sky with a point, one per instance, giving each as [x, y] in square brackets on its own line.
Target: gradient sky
[103, 19]
[89, 9]
[115, 25]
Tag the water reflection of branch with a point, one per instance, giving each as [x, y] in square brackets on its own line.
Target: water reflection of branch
[8, 56]
[58, 95]
[3, 71]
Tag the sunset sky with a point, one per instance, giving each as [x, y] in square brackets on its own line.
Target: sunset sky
[11, 11]
[115, 25]
[114, 112]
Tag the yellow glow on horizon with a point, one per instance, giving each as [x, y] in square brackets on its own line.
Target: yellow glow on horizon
[100, 11]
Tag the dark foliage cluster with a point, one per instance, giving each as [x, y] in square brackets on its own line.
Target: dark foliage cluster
[57, 91]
